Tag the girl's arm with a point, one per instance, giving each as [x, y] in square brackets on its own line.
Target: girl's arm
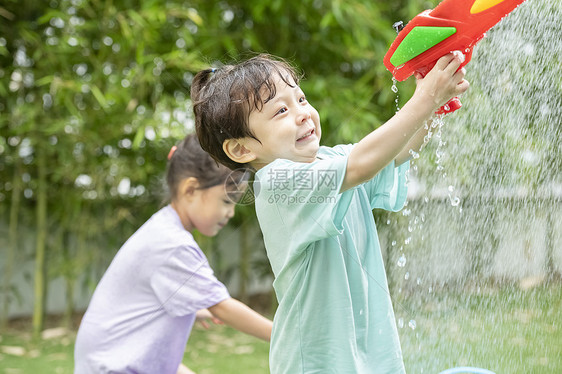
[203, 315]
[375, 151]
[239, 316]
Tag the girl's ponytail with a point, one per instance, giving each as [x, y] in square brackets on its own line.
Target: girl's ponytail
[187, 159]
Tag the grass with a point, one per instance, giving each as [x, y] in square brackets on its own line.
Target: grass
[222, 349]
[507, 331]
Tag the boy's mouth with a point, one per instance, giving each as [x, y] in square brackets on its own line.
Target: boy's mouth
[307, 135]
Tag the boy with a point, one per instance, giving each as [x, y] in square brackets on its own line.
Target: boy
[314, 207]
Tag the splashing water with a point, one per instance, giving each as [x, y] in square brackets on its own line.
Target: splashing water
[401, 261]
[488, 190]
[412, 324]
[394, 87]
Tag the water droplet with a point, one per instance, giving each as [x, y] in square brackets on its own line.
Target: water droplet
[407, 275]
[388, 222]
[455, 201]
[451, 188]
[393, 243]
[412, 324]
[401, 322]
[394, 88]
[401, 261]
[408, 240]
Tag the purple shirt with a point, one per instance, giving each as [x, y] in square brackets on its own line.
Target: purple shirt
[143, 309]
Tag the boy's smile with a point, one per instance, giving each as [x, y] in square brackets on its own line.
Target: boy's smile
[287, 127]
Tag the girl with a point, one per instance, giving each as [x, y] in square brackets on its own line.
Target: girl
[143, 309]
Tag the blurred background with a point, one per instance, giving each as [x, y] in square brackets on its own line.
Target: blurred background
[94, 93]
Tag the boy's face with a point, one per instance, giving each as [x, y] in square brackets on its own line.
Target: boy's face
[287, 127]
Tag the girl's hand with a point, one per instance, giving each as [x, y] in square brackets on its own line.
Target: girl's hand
[443, 82]
[203, 315]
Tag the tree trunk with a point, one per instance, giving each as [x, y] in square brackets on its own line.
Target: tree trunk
[69, 274]
[12, 244]
[40, 276]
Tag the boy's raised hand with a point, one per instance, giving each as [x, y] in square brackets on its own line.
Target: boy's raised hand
[443, 82]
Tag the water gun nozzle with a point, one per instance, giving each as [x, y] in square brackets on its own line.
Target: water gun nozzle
[398, 26]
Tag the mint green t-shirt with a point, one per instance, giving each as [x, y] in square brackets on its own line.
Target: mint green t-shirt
[335, 314]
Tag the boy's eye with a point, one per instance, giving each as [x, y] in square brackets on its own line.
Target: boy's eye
[281, 111]
[302, 99]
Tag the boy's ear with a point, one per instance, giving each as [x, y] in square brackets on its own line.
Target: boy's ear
[237, 151]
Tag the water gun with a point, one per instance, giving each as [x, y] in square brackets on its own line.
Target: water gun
[454, 25]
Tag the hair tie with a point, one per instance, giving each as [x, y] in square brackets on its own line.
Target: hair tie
[171, 153]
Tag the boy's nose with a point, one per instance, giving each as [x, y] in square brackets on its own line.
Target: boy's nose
[303, 116]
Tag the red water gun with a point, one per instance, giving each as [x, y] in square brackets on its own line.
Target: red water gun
[454, 25]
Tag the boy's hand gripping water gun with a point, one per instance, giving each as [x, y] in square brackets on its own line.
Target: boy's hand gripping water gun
[454, 25]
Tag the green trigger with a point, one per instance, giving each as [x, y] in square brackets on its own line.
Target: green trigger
[419, 40]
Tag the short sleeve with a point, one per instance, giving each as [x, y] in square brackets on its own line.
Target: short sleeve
[185, 283]
[304, 197]
[388, 189]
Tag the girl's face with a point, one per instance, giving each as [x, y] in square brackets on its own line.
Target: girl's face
[287, 127]
[207, 210]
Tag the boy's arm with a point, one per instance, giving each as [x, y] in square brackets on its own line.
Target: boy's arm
[416, 144]
[239, 316]
[375, 151]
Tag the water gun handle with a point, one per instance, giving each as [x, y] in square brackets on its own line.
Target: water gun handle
[455, 103]
[451, 105]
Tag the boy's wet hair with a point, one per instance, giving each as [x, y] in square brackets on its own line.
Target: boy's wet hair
[224, 98]
[190, 160]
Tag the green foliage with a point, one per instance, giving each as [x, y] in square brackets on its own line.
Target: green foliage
[102, 87]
